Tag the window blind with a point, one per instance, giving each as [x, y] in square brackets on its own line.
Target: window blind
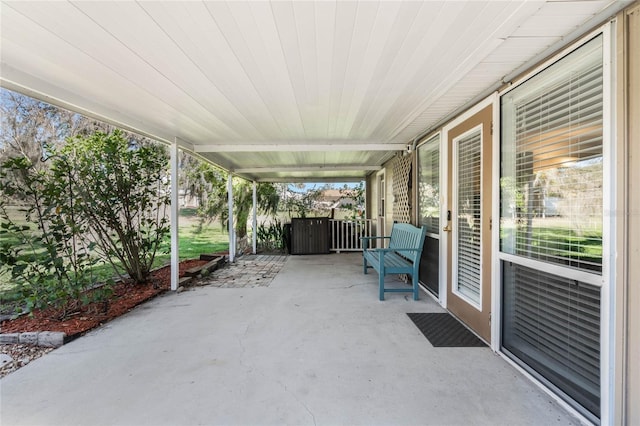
[468, 215]
[553, 324]
[552, 163]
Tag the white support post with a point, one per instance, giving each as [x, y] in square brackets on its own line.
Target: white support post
[175, 209]
[232, 232]
[255, 217]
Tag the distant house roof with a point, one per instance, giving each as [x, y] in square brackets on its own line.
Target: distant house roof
[331, 195]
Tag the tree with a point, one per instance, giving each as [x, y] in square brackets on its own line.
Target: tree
[121, 189]
[28, 125]
[212, 183]
[194, 179]
[356, 194]
[267, 202]
[103, 195]
[302, 202]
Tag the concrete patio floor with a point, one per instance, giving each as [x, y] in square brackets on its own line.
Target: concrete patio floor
[314, 347]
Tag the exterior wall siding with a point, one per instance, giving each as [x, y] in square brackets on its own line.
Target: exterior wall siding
[628, 282]
[634, 226]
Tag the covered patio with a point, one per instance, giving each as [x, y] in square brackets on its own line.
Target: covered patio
[313, 347]
[375, 91]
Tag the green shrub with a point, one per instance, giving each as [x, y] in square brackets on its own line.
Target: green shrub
[271, 236]
[48, 257]
[102, 197]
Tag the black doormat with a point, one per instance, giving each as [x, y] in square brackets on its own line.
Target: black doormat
[443, 330]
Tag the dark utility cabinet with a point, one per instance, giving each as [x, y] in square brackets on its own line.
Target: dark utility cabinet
[310, 235]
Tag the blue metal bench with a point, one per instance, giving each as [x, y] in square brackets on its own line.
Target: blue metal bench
[401, 257]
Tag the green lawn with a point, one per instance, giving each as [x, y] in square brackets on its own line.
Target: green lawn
[193, 241]
[557, 244]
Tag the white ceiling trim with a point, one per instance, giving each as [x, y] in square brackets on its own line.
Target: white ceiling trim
[344, 146]
[353, 168]
[296, 179]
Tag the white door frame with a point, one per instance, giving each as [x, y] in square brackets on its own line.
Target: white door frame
[454, 223]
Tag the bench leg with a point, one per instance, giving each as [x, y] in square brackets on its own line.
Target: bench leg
[364, 259]
[414, 278]
[381, 283]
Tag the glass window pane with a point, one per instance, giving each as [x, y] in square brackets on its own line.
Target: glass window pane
[552, 324]
[429, 184]
[551, 180]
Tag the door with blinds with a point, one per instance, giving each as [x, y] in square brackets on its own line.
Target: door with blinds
[468, 228]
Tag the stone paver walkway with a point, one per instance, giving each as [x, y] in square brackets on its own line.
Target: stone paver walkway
[246, 272]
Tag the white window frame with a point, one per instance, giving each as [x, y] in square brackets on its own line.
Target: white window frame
[440, 298]
[422, 143]
[454, 217]
[606, 280]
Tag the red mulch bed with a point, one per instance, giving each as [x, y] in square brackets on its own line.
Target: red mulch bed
[125, 297]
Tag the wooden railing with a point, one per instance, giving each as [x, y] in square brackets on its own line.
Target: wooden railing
[345, 234]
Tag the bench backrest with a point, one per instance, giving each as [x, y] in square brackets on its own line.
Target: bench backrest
[404, 235]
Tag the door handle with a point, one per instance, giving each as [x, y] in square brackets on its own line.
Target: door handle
[447, 228]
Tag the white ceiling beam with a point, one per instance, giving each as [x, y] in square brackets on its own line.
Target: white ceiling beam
[184, 145]
[312, 179]
[342, 146]
[328, 168]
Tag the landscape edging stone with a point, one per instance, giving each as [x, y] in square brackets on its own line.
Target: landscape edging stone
[49, 339]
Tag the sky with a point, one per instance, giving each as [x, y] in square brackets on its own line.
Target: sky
[336, 185]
